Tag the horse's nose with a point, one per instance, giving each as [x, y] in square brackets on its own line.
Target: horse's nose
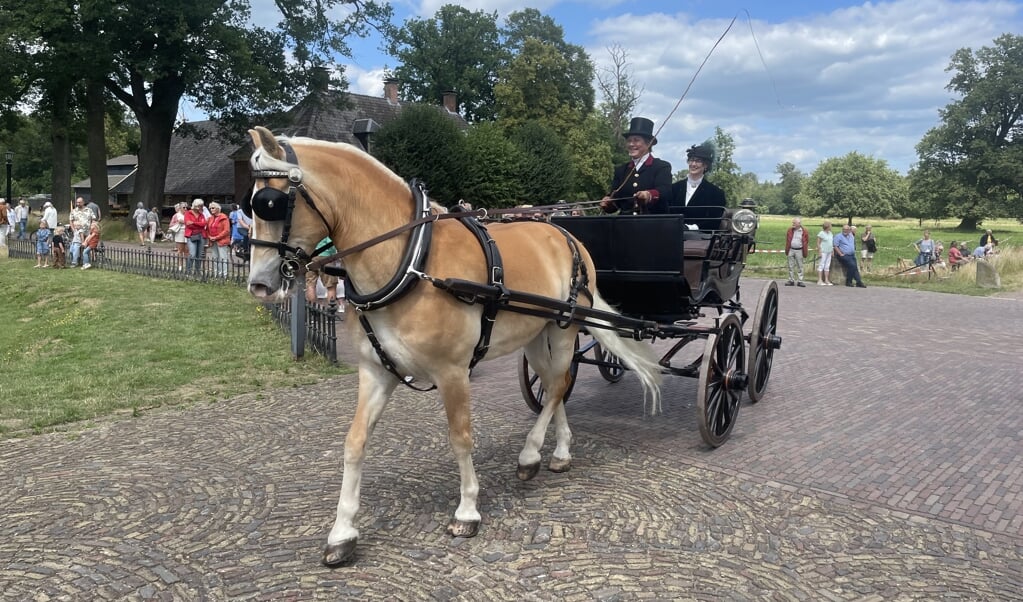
[261, 290]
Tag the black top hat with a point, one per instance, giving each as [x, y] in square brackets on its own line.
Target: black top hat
[641, 126]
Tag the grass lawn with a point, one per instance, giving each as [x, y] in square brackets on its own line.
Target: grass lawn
[82, 345]
[895, 240]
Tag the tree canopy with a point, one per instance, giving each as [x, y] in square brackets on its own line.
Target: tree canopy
[974, 159]
[853, 185]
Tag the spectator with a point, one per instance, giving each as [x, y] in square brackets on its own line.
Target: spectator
[925, 249]
[196, 236]
[240, 225]
[797, 245]
[642, 184]
[329, 282]
[219, 229]
[869, 248]
[177, 229]
[80, 219]
[955, 256]
[59, 248]
[50, 214]
[90, 244]
[43, 235]
[845, 248]
[153, 219]
[825, 249]
[21, 219]
[5, 223]
[987, 237]
[141, 217]
[94, 208]
[984, 251]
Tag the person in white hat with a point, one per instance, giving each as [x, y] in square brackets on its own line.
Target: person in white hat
[50, 214]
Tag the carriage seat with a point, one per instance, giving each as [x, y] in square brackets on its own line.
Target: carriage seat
[695, 245]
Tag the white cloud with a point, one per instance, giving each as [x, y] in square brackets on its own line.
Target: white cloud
[869, 78]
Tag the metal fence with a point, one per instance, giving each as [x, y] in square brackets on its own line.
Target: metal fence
[320, 320]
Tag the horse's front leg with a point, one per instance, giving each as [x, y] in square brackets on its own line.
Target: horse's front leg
[454, 391]
[375, 388]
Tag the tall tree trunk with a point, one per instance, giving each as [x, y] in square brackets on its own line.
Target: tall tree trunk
[156, 125]
[61, 149]
[95, 114]
[968, 224]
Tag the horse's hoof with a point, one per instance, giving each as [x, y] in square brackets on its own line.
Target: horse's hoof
[461, 528]
[559, 464]
[339, 553]
[526, 473]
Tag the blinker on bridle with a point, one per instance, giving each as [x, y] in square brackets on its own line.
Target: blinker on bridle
[273, 205]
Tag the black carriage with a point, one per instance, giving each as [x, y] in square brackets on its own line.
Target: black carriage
[670, 282]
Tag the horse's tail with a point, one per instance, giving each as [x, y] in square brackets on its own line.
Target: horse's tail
[638, 356]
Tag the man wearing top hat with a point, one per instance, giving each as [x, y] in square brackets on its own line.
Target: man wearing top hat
[642, 185]
[702, 203]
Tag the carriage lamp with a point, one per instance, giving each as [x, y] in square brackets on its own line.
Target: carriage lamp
[744, 221]
[9, 155]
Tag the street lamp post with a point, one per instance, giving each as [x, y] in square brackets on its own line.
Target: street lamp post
[9, 155]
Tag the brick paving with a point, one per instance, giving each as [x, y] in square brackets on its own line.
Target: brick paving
[883, 463]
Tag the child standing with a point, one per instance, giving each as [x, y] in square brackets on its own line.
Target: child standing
[43, 245]
[90, 244]
[59, 249]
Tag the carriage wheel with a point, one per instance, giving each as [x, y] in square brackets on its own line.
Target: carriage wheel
[532, 388]
[763, 341]
[722, 381]
[613, 373]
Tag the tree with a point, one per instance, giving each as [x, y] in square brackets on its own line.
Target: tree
[456, 50]
[547, 171]
[791, 183]
[621, 95]
[151, 55]
[974, 159]
[423, 143]
[491, 173]
[852, 185]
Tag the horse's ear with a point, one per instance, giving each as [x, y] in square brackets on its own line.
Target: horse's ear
[264, 138]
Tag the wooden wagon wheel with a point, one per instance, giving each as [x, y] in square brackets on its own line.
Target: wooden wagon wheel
[763, 340]
[722, 381]
[532, 388]
[613, 372]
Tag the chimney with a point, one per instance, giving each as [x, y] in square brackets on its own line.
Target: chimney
[319, 79]
[450, 100]
[391, 90]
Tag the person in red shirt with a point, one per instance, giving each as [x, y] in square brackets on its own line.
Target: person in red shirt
[219, 229]
[196, 236]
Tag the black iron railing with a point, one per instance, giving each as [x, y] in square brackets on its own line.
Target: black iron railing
[320, 320]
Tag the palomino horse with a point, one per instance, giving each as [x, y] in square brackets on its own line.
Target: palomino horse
[308, 189]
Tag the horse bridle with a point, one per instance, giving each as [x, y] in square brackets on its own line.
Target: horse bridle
[273, 205]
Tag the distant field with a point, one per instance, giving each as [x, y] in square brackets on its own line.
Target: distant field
[895, 240]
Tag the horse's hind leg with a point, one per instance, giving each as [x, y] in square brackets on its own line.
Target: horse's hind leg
[454, 391]
[375, 388]
[550, 354]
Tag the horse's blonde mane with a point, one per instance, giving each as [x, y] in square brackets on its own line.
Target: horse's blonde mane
[262, 159]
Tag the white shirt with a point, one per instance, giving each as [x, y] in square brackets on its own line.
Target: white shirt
[50, 215]
[639, 162]
[691, 186]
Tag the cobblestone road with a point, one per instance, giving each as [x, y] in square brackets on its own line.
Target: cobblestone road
[882, 464]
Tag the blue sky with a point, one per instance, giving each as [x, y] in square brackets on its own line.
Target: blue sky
[836, 76]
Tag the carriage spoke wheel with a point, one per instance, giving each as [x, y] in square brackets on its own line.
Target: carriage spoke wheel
[532, 388]
[613, 372]
[722, 381]
[763, 341]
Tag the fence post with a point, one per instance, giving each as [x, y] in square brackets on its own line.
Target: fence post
[297, 322]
